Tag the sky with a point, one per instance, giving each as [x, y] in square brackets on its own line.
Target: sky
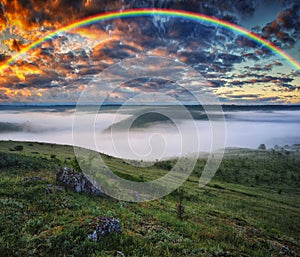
[234, 68]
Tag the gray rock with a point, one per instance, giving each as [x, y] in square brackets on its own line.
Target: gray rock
[287, 252]
[105, 226]
[77, 181]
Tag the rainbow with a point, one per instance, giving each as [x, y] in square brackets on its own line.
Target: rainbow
[162, 12]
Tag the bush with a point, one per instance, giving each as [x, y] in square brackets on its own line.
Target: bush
[75, 165]
[10, 160]
[164, 165]
[180, 208]
[19, 148]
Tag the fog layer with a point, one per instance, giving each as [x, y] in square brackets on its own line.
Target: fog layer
[149, 137]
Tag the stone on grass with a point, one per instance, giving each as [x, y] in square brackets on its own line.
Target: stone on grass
[105, 226]
[77, 181]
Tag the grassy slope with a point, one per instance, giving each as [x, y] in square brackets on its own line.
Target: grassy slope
[240, 213]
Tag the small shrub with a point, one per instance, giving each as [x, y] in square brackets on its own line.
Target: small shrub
[18, 148]
[180, 208]
[164, 165]
[75, 165]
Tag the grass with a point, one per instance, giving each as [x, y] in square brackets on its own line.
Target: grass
[234, 215]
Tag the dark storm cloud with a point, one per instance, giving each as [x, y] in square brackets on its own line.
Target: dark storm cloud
[86, 70]
[251, 56]
[189, 44]
[114, 50]
[150, 85]
[203, 60]
[276, 63]
[3, 57]
[265, 67]
[285, 38]
[289, 18]
[258, 78]
[238, 83]
[217, 83]
[186, 32]
[224, 7]
[261, 68]
[33, 13]
[202, 57]
[19, 86]
[229, 59]
[285, 29]
[289, 87]
[177, 28]
[34, 81]
[3, 96]
[71, 59]
[46, 51]
[279, 79]
[295, 73]
[246, 42]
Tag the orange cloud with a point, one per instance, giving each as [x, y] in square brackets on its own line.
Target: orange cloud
[16, 92]
[21, 70]
[91, 32]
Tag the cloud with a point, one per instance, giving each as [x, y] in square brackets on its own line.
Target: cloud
[295, 73]
[285, 29]
[31, 19]
[15, 46]
[243, 96]
[289, 87]
[2, 57]
[113, 50]
[30, 14]
[217, 83]
[246, 42]
[60, 67]
[268, 99]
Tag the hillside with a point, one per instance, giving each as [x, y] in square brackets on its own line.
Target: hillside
[250, 208]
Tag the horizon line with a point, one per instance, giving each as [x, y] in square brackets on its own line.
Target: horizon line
[45, 104]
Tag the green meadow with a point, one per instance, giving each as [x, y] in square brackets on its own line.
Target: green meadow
[250, 208]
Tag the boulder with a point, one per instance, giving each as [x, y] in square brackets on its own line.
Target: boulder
[77, 181]
[105, 226]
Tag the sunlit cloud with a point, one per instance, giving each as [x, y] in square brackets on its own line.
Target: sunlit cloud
[60, 68]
